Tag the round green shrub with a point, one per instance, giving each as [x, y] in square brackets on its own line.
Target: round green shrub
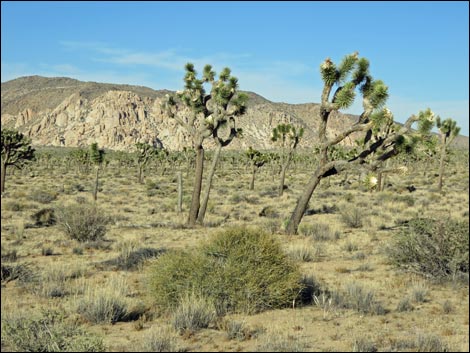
[241, 269]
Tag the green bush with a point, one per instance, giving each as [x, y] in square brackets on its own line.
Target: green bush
[434, 248]
[82, 222]
[49, 332]
[241, 269]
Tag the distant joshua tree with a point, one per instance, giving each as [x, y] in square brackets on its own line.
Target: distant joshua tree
[448, 130]
[96, 158]
[288, 136]
[257, 160]
[16, 151]
[209, 113]
[145, 153]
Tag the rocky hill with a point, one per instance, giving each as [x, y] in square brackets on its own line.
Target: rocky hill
[67, 112]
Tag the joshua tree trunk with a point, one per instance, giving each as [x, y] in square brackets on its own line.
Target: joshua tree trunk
[379, 181]
[283, 177]
[202, 210]
[441, 165]
[141, 173]
[252, 183]
[302, 203]
[195, 201]
[180, 192]
[95, 191]
[4, 174]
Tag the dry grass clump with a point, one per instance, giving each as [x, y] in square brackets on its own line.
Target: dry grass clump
[193, 313]
[48, 332]
[241, 269]
[105, 304]
[161, 339]
[82, 222]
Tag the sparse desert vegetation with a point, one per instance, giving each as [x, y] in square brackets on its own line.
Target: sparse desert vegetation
[368, 271]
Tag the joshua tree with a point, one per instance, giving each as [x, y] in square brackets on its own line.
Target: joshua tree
[448, 130]
[82, 159]
[207, 114]
[288, 137]
[145, 153]
[16, 151]
[96, 157]
[257, 160]
[383, 139]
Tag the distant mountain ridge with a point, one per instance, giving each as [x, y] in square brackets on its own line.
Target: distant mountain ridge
[64, 111]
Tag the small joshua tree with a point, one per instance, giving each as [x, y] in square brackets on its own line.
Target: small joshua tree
[16, 151]
[448, 130]
[145, 153]
[288, 137]
[383, 138]
[81, 158]
[257, 160]
[208, 113]
[96, 158]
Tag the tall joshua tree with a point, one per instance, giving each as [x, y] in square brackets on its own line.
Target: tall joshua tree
[383, 139]
[16, 151]
[96, 158]
[448, 130]
[288, 137]
[208, 113]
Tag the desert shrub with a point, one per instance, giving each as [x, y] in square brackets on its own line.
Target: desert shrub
[241, 269]
[357, 298]
[42, 196]
[318, 231]
[434, 248]
[105, 304]
[48, 332]
[44, 217]
[404, 305]
[363, 300]
[301, 252]
[82, 222]
[193, 313]
[22, 272]
[236, 330]
[352, 217]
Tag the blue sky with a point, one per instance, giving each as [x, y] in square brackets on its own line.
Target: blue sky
[419, 49]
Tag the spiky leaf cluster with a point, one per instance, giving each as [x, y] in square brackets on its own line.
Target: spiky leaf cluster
[96, 154]
[448, 128]
[352, 73]
[257, 158]
[16, 148]
[287, 132]
[212, 110]
[145, 152]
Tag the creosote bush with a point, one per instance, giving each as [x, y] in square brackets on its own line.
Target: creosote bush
[240, 269]
[82, 222]
[434, 248]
